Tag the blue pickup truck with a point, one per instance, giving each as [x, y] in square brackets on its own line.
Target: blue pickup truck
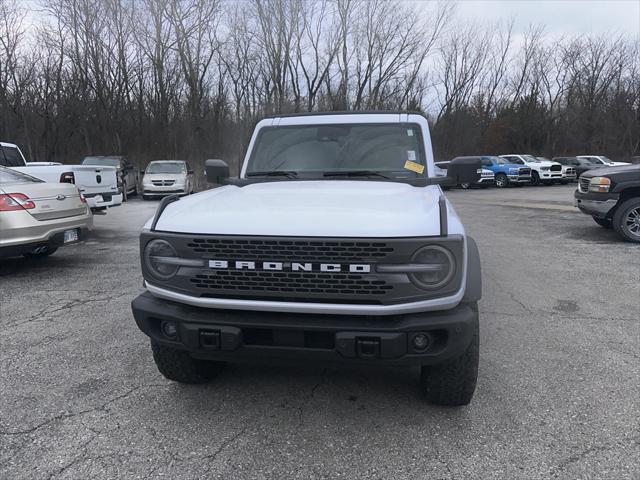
[506, 173]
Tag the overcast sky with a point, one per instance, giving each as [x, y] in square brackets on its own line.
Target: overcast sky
[560, 16]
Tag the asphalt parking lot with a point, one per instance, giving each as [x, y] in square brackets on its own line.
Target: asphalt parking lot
[558, 392]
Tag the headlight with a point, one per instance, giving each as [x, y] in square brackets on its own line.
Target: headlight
[440, 267]
[156, 254]
[546, 169]
[599, 184]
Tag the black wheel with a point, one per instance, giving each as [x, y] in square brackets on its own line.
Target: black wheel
[453, 383]
[41, 253]
[135, 189]
[179, 366]
[603, 222]
[145, 197]
[124, 192]
[535, 178]
[626, 220]
[465, 186]
[501, 180]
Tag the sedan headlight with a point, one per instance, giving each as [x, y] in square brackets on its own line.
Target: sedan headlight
[600, 184]
[434, 265]
[159, 257]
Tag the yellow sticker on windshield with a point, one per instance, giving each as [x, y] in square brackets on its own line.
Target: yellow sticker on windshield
[413, 166]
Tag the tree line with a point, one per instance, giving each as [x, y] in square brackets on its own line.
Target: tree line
[159, 79]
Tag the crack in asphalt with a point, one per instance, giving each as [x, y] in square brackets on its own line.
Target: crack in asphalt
[66, 416]
[555, 470]
[310, 395]
[47, 314]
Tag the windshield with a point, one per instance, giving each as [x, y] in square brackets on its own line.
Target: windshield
[103, 161]
[394, 150]
[531, 158]
[166, 167]
[606, 160]
[8, 176]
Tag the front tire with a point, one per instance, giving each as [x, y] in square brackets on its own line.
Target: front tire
[124, 192]
[179, 366]
[502, 181]
[453, 383]
[603, 222]
[626, 220]
[535, 178]
[465, 186]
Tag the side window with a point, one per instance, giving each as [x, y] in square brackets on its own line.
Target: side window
[12, 157]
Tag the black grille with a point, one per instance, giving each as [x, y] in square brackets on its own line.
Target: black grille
[584, 184]
[556, 168]
[525, 172]
[297, 250]
[285, 283]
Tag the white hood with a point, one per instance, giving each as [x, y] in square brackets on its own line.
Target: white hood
[327, 208]
[178, 177]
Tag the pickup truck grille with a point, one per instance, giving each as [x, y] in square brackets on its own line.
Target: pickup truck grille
[583, 186]
[556, 168]
[570, 171]
[163, 183]
[253, 249]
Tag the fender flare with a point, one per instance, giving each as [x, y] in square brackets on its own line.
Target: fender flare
[473, 287]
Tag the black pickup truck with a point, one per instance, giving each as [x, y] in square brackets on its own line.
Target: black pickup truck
[611, 195]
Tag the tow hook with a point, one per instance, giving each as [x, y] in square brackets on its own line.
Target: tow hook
[368, 347]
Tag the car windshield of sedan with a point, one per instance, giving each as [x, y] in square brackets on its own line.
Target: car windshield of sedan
[389, 150]
[102, 161]
[8, 176]
[166, 167]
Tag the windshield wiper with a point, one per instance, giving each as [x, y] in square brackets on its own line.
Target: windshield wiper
[274, 173]
[355, 173]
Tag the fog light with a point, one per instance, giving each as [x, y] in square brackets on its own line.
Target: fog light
[421, 341]
[170, 329]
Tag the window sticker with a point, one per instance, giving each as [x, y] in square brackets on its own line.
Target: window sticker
[413, 166]
[411, 155]
[410, 132]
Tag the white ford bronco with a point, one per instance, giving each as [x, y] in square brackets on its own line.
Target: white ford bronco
[334, 245]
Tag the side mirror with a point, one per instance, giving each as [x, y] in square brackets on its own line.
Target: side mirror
[462, 170]
[217, 171]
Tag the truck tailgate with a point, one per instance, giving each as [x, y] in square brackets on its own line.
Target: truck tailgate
[91, 179]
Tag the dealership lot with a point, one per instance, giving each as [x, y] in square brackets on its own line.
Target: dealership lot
[557, 393]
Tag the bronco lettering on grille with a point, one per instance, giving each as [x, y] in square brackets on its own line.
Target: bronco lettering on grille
[290, 266]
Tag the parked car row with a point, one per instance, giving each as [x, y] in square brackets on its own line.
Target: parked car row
[524, 169]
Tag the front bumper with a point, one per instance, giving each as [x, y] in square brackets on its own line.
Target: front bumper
[154, 190]
[253, 336]
[519, 179]
[598, 205]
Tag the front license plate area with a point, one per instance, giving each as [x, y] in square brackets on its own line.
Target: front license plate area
[70, 236]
